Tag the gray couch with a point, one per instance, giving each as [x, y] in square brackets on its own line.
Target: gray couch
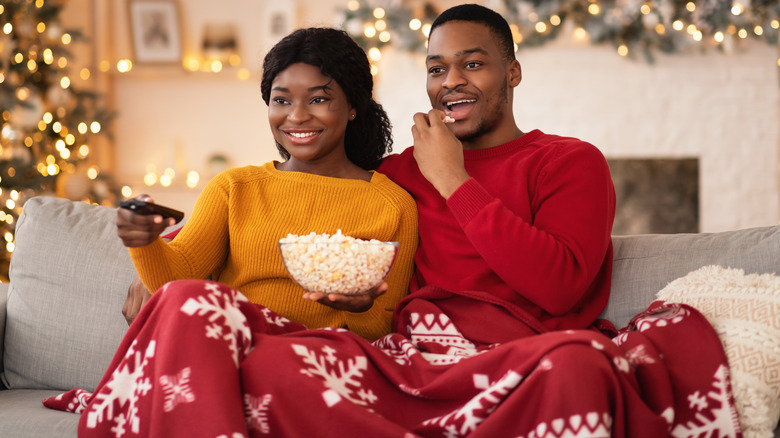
[60, 319]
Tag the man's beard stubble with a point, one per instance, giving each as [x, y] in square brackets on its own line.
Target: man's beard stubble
[485, 126]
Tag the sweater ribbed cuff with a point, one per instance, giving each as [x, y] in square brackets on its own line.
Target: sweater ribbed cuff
[468, 200]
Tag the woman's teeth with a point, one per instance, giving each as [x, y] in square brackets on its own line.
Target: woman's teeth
[302, 134]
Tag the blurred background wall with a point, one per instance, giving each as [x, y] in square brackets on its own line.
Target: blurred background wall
[719, 108]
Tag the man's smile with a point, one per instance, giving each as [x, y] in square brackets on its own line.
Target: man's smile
[452, 105]
[458, 106]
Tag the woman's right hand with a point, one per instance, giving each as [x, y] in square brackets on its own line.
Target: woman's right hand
[137, 229]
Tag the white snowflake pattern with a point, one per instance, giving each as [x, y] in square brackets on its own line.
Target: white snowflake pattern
[721, 421]
[342, 377]
[438, 329]
[621, 363]
[697, 401]
[227, 321]
[273, 318]
[401, 351]
[662, 318]
[620, 339]
[465, 420]
[176, 389]
[591, 425]
[256, 412]
[128, 383]
[639, 356]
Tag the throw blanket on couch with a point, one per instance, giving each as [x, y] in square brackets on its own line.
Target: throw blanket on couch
[200, 360]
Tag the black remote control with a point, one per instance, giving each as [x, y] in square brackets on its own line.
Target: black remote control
[143, 207]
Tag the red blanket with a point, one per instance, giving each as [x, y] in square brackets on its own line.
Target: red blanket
[200, 360]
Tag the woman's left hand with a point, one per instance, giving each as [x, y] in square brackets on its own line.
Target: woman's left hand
[352, 303]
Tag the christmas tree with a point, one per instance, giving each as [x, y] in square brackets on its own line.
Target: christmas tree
[48, 127]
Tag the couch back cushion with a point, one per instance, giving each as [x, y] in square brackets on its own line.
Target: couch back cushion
[69, 277]
[645, 264]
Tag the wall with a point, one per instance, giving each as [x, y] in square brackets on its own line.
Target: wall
[722, 108]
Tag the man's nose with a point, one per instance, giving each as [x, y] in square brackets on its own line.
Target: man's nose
[453, 79]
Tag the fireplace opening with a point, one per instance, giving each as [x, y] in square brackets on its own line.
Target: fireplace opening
[658, 195]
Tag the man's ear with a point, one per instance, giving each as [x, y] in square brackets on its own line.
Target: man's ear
[515, 73]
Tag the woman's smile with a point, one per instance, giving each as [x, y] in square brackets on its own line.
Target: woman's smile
[301, 137]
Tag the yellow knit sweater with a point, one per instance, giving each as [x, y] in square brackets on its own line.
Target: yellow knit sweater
[242, 213]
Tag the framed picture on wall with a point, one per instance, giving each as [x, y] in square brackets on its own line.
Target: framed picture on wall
[155, 31]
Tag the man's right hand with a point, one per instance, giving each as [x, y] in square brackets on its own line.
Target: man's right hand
[137, 229]
[439, 154]
[137, 296]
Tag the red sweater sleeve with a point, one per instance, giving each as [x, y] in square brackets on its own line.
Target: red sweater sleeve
[553, 258]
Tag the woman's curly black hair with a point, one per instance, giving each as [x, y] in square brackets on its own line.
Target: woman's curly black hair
[368, 137]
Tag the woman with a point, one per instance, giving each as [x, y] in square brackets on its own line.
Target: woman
[188, 343]
[331, 133]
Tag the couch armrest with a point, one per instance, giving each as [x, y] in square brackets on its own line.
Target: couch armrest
[3, 304]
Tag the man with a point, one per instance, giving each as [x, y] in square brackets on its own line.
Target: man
[495, 339]
[525, 217]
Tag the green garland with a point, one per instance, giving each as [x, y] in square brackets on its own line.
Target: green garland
[631, 26]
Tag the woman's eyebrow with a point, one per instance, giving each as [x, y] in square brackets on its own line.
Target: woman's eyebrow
[320, 87]
[315, 88]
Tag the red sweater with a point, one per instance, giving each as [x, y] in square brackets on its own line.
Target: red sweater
[532, 226]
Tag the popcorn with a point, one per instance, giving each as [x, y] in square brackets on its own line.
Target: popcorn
[448, 119]
[337, 263]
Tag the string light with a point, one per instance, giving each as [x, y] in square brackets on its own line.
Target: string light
[124, 65]
[642, 26]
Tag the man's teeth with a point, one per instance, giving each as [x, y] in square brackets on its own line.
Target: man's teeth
[450, 104]
[302, 134]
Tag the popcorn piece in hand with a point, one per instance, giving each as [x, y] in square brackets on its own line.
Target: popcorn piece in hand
[448, 119]
[337, 263]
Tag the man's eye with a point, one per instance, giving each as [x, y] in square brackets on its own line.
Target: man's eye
[435, 70]
[473, 64]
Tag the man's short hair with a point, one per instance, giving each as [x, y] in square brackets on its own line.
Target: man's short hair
[479, 14]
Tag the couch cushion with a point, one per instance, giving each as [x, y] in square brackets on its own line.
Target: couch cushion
[23, 416]
[69, 277]
[645, 264]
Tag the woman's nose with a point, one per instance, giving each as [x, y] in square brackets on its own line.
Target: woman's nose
[298, 113]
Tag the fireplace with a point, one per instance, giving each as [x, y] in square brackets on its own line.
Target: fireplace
[657, 195]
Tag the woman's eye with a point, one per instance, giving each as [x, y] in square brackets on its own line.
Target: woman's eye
[319, 100]
[280, 100]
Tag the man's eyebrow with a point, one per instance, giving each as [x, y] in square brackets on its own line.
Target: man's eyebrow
[458, 54]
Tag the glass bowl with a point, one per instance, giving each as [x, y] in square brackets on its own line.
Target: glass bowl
[347, 268]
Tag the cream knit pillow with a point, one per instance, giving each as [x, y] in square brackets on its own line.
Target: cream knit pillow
[745, 312]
